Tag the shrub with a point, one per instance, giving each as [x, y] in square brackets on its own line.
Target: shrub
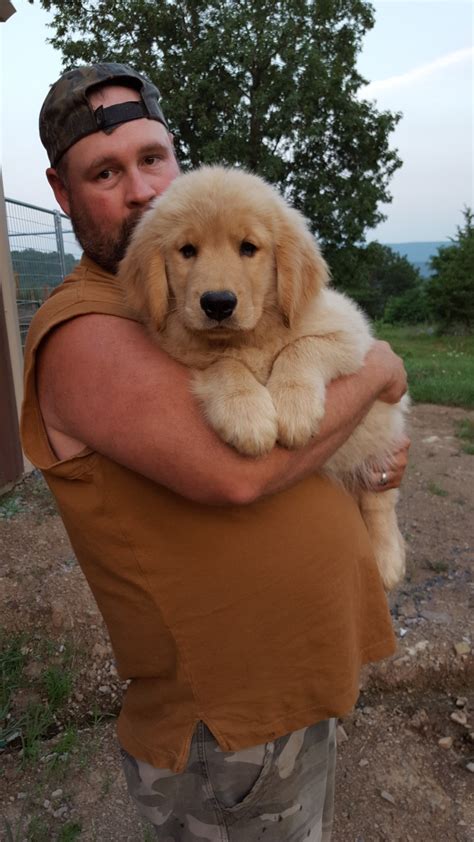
[450, 290]
[410, 308]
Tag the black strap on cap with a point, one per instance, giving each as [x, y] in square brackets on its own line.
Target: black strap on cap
[123, 112]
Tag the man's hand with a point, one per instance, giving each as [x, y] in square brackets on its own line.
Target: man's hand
[391, 477]
[388, 367]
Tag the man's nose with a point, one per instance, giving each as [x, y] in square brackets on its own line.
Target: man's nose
[139, 189]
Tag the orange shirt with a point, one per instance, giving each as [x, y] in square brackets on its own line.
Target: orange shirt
[254, 619]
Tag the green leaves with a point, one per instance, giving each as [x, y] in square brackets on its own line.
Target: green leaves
[374, 275]
[451, 288]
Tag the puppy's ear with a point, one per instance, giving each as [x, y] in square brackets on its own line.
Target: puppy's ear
[301, 269]
[145, 283]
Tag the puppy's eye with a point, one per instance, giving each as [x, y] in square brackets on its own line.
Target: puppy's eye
[188, 251]
[247, 249]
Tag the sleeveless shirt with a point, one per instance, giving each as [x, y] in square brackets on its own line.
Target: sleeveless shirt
[254, 619]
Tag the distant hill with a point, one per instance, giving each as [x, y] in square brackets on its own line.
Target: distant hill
[419, 253]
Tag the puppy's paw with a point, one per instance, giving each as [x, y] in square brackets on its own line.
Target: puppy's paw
[247, 420]
[252, 435]
[390, 558]
[299, 411]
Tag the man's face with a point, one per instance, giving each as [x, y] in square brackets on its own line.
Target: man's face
[112, 178]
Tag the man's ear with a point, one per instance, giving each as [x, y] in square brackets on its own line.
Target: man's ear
[59, 189]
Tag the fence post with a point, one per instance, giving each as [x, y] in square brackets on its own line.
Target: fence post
[60, 242]
[12, 360]
[7, 281]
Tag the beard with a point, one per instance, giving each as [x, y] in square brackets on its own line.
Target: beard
[105, 249]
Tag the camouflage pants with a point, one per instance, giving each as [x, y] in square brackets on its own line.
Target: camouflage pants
[281, 791]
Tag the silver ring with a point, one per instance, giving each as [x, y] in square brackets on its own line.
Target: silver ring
[384, 478]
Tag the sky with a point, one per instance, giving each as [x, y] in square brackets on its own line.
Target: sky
[418, 60]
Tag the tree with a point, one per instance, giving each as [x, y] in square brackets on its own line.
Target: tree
[36, 272]
[451, 287]
[270, 85]
[410, 308]
[375, 274]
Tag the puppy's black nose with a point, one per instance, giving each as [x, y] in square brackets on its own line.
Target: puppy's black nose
[218, 305]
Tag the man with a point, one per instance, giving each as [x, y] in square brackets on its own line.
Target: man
[241, 595]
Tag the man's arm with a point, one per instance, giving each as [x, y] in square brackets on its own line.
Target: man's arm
[102, 382]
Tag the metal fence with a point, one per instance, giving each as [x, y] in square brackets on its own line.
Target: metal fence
[43, 250]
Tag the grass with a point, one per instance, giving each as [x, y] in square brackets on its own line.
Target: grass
[67, 744]
[12, 662]
[34, 725]
[31, 494]
[15, 834]
[58, 685]
[465, 431]
[10, 505]
[40, 831]
[46, 694]
[438, 566]
[36, 681]
[437, 490]
[69, 832]
[440, 368]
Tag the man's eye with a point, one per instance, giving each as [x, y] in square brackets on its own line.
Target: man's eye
[104, 175]
[188, 251]
[152, 160]
[247, 249]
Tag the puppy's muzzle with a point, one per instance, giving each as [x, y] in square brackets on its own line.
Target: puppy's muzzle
[218, 305]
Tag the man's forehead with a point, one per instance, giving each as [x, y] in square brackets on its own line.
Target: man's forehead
[125, 142]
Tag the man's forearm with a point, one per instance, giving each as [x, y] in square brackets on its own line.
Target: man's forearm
[137, 409]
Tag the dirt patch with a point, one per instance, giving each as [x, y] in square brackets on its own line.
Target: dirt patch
[396, 780]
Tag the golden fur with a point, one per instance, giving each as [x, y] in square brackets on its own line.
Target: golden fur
[261, 373]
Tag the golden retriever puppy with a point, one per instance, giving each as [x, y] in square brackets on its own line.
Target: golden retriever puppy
[231, 283]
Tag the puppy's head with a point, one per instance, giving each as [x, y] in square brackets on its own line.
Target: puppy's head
[217, 250]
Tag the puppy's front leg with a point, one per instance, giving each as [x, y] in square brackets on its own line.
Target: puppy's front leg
[237, 406]
[297, 386]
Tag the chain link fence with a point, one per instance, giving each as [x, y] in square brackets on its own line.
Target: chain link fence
[43, 250]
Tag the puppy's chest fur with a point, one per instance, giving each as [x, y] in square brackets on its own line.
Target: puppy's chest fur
[256, 350]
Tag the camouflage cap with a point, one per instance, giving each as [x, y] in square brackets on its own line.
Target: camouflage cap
[66, 115]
